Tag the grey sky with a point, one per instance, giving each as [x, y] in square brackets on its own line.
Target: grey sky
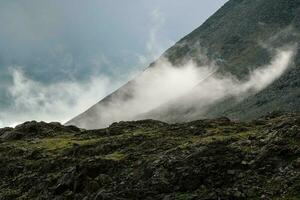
[53, 41]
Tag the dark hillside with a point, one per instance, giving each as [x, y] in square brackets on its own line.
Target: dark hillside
[241, 36]
[204, 159]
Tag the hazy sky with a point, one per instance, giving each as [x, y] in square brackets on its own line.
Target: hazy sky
[45, 43]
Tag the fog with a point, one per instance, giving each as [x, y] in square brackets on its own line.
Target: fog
[59, 101]
[70, 43]
[184, 86]
[219, 87]
[188, 85]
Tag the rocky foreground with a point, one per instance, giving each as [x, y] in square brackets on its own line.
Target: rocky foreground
[205, 159]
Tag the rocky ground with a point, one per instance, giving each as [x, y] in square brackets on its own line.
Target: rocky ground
[205, 159]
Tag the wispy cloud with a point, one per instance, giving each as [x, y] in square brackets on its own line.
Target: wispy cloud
[32, 100]
[219, 87]
[156, 43]
[187, 86]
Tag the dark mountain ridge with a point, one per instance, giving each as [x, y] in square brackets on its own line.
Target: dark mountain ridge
[241, 35]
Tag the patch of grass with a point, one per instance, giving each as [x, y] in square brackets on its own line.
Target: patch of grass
[195, 140]
[115, 156]
[9, 193]
[52, 144]
[184, 196]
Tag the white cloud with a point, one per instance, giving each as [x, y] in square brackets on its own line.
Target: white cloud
[32, 100]
[189, 86]
[218, 87]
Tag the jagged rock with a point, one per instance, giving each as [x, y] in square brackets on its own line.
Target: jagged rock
[35, 129]
[4, 130]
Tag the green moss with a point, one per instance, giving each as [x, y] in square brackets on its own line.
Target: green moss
[195, 140]
[9, 193]
[115, 156]
[52, 144]
[160, 153]
[184, 196]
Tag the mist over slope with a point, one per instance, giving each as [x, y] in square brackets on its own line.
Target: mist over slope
[243, 60]
[218, 88]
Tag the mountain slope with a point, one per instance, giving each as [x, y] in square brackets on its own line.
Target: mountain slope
[237, 33]
[240, 37]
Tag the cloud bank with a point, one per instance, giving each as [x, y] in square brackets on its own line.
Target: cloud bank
[219, 87]
[153, 91]
[57, 48]
[182, 87]
[32, 100]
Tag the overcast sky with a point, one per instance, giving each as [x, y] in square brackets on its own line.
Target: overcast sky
[77, 43]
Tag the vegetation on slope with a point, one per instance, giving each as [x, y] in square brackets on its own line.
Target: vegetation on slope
[205, 159]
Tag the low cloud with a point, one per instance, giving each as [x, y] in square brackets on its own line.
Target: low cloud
[219, 87]
[33, 100]
[183, 87]
[155, 86]
[153, 91]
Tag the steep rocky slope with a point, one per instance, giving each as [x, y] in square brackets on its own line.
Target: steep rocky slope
[204, 159]
[239, 37]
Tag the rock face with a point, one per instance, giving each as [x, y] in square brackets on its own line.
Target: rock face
[239, 37]
[204, 159]
[35, 129]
